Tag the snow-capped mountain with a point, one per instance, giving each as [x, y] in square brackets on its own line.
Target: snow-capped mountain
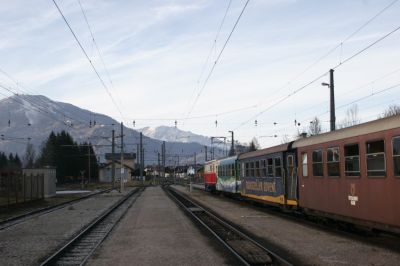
[31, 118]
[174, 134]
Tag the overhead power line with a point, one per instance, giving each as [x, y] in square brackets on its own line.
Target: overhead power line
[218, 57]
[36, 102]
[88, 58]
[367, 47]
[98, 49]
[316, 79]
[333, 49]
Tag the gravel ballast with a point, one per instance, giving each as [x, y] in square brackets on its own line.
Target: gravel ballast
[30, 242]
[309, 245]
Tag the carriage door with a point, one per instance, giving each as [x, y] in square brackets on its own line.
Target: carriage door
[291, 182]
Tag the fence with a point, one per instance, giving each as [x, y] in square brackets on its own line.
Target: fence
[18, 188]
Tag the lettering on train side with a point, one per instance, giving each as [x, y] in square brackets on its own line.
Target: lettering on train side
[252, 185]
[270, 187]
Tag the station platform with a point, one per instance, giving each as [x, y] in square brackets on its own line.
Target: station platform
[156, 232]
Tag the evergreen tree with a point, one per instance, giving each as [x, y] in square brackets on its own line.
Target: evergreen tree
[3, 161]
[29, 157]
[68, 157]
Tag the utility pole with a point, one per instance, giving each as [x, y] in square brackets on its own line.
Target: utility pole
[141, 155]
[138, 156]
[332, 90]
[232, 151]
[144, 175]
[195, 155]
[122, 158]
[159, 167]
[113, 159]
[205, 148]
[163, 157]
[89, 163]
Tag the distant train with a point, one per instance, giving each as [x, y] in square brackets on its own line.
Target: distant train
[351, 174]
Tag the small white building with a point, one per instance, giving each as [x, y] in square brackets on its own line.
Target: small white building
[49, 180]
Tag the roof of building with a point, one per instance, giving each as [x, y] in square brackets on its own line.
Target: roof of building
[110, 163]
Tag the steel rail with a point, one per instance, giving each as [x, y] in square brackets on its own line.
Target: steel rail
[36, 213]
[194, 211]
[84, 237]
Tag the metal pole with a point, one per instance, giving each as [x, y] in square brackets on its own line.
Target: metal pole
[163, 158]
[122, 158]
[138, 156]
[332, 100]
[158, 169]
[113, 159]
[205, 147]
[232, 151]
[144, 175]
[89, 163]
[141, 155]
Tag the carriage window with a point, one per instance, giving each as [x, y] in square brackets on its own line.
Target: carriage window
[278, 168]
[318, 169]
[242, 170]
[270, 167]
[376, 158]
[351, 160]
[333, 161]
[304, 164]
[396, 156]
[247, 169]
[264, 168]
[257, 170]
[252, 169]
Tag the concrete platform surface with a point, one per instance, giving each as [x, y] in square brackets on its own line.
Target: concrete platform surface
[156, 232]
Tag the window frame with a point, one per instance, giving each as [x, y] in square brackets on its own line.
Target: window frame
[322, 162]
[306, 164]
[257, 168]
[395, 156]
[328, 162]
[280, 166]
[252, 172]
[264, 168]
[384, 158]
[272, 173]
[359, 161]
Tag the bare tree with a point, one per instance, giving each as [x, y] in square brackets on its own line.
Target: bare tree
[30, 155]
[285, 139]
[315, 127]
[351, 117]
[254, 145]
[392, 110]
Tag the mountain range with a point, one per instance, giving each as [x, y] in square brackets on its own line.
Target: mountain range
[31, 118]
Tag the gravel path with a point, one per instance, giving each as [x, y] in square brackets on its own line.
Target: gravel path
[309, 245]
[29, 242]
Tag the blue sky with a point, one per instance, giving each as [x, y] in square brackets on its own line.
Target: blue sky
[155, 52]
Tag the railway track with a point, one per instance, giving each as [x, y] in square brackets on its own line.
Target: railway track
[30, 215]
[80, 248]
[247, 250]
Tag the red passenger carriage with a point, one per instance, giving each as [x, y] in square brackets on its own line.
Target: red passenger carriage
[353, 174]
[210, 175]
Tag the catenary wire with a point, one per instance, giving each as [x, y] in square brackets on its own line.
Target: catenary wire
[88, 58]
